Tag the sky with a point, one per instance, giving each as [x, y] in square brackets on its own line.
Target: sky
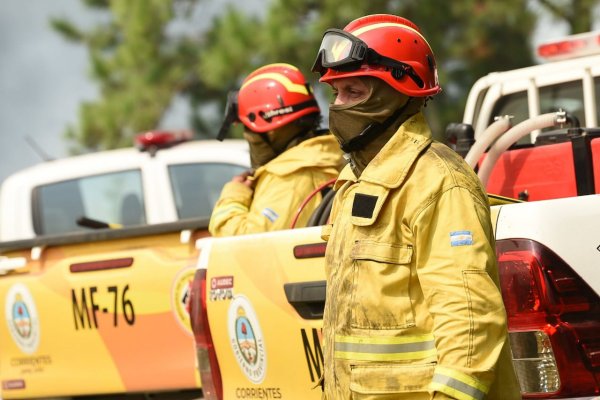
[43, 78]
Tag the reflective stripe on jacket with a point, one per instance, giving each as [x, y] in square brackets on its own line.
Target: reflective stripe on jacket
[281, 186]
[413, 305]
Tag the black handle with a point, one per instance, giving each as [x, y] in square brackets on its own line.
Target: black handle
[308, 298]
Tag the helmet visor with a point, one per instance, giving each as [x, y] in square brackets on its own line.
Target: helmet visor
[340, 50]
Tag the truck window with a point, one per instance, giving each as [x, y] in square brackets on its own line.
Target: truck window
[567, 96]
[197, 187]
[112, 198]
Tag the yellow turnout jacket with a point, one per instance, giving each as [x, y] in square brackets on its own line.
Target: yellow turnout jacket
[413, 308]
[281, 186]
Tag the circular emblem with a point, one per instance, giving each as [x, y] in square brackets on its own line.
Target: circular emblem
[181, 297]
[22, 318]
[246, 339]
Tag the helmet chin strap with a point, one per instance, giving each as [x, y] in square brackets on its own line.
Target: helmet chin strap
[371, 131]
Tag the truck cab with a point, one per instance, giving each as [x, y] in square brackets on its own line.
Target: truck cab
[96, 257]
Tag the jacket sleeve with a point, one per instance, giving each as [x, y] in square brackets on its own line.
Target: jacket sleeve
[271, 206]
[456, 267]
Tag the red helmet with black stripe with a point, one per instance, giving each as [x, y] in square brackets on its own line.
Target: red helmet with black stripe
[384, 46]
[273, 96]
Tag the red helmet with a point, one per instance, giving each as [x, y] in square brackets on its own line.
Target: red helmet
[385, 46]
[273, 96]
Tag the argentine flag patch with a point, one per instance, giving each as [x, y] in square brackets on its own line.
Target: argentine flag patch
[461, 238]
[270, 214]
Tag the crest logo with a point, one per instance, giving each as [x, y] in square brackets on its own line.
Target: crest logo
[246, 339]
[22, 318]
[181, 297]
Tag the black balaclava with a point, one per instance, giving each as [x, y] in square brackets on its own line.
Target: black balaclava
[346, 121]
[266, 146]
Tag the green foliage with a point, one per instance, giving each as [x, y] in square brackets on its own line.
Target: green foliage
[578, 14]
[141, 66]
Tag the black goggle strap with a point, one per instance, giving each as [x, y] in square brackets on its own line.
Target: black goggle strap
[371, 132]
[267, 116]
[399, 69]
[356, 58]
[231, 115]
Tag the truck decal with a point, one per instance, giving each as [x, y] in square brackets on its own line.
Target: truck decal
[314, 353]
[246, 339]
[258, 393]
[181, 297]
[13, 384]
[221, 288]
[22, 318]
[84, 318]
[31, 364]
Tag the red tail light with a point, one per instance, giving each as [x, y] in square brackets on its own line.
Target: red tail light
[210, 374]
[553, 321]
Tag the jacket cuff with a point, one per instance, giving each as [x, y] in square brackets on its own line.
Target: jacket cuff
[457, 384]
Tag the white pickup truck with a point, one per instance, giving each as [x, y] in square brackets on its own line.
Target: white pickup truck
[257, 300]
[96, 256]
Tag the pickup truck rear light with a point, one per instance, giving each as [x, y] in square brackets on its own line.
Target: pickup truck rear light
[553, 322]
[210, 375]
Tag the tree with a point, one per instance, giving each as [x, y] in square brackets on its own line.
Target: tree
[578, 14]
[139, 66]
[470, 38]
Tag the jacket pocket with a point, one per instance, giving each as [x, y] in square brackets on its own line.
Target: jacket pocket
[390, 380]
[380, 288]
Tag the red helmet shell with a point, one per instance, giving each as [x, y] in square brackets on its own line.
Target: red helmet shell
[272, 87]
[397, 38]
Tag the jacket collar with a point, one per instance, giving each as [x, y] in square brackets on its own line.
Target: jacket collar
[390, 166]
[320, 151]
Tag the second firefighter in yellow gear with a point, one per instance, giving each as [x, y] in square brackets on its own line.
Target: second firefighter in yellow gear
[290, 157]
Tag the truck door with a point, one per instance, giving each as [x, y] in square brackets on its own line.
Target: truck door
[265, 307]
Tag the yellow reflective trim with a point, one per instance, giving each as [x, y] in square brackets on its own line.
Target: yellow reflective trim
[229, 207]
[458, 395]
[384, 340]
[368, 28]
[447, 379]
[468, 379]
[284, 80]
[284, 65]
[415, 355]
[393, 348]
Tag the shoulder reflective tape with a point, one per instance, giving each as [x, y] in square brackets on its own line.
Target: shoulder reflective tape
[457, 384]
[228, 208]
[383, 348]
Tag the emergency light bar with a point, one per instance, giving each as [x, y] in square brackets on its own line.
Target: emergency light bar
[151, 141]
[579, 45]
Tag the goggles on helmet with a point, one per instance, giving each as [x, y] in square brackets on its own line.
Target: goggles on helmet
[344, 52]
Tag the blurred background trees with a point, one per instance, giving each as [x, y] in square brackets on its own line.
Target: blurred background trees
[147, 55]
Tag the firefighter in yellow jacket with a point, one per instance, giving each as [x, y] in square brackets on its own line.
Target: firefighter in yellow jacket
[413, 307]
[290, 157]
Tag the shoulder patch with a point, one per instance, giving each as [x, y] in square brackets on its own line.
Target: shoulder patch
[270, 214]
[363, 205]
